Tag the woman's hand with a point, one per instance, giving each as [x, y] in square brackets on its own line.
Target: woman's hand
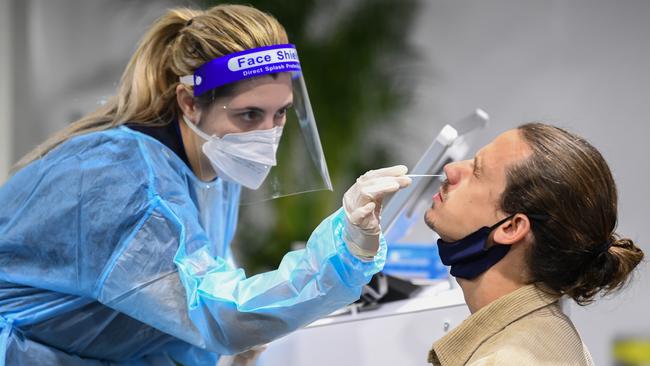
[362, 206]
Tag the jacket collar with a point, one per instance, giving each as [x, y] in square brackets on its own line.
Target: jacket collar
[459, 345]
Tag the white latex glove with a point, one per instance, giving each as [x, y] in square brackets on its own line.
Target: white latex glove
[362, 206]
[247, 358]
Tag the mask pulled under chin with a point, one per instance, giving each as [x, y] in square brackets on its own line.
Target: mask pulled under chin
[245, 158]
[469, 257]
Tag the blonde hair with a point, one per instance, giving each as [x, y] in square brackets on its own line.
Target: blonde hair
[175, 45]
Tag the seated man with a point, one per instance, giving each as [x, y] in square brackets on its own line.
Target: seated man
[553, 199]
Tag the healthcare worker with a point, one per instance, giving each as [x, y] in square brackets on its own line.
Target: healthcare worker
[115, 234]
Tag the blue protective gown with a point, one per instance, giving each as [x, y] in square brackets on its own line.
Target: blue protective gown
[113, 253]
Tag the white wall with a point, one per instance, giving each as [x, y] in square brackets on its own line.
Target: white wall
[581, 64]
[71, 58]
[6, 95]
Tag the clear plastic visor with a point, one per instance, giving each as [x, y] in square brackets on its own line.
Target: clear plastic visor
[243, 112]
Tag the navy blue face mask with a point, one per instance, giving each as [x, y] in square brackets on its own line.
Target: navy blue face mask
[470, 256]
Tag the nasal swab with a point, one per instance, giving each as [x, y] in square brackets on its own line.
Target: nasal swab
[424, 175]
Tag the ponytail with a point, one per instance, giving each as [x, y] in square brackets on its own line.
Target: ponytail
[175, 45]
[609, 271]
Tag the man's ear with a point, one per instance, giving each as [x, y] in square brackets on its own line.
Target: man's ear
[512, 231]
[186, 103]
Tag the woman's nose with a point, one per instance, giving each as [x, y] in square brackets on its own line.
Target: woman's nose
[280, 121]
[269, 123]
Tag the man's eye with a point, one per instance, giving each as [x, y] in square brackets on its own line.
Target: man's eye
[476, 172]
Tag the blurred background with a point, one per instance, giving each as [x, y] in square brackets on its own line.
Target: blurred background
[384, 77]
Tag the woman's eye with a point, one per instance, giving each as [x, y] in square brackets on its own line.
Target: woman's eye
[251, 116]
[281, 113]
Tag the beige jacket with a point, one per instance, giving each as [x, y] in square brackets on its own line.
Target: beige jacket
[525, 327]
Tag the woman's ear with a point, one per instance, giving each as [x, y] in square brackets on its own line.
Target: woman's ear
[512, 231]
[186, 103]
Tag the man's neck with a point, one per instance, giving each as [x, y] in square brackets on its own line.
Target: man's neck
[503, 278]
[484, 289]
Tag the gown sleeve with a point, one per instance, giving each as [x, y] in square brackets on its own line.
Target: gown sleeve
[111, 223]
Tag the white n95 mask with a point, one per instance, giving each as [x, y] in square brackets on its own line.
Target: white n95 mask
[245, 158]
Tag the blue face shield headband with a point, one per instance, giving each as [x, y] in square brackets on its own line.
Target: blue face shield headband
[301, 165]
[243, 65]
[469, 257]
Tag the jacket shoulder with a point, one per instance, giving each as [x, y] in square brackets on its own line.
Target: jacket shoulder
[528, 340]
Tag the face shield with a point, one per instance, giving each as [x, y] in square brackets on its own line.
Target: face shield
[259, 130]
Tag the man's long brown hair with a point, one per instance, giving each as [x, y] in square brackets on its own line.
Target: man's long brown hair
[576, 251]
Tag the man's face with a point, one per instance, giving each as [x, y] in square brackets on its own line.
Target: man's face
[469, 198]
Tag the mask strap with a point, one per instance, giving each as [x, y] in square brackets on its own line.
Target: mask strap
[497, 225]
[196, 130]
[537, 217]
[501, 222]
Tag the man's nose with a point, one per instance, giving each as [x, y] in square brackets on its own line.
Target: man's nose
[456, 170]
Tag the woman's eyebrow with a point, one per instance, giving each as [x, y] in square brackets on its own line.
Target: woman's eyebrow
[249, 108]
[258, 109]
